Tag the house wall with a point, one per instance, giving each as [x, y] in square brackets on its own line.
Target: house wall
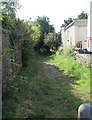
[70, 36]
[63, 37]
[74, 33]
[80, 34]
[89, 29]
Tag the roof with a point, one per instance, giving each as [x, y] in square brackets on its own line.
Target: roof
[74, 22]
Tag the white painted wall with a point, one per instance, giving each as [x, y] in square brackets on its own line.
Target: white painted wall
[89, 29]
[63, 37]
[70, 37]
[75, 32]
[81, 32]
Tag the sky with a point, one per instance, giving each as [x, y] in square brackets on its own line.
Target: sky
[56, 10]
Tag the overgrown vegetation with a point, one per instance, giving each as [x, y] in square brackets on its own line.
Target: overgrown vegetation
[79, 72]
[18, 89]
[53, 40]
[32, 94]
[19, 31]
[68, 51]
[44, 28]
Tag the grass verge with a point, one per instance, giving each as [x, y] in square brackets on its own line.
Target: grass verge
[33, 94]
[80, 73]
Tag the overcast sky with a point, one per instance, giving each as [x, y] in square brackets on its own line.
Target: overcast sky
[56, 10]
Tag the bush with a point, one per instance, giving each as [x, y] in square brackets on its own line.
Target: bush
[69, 51]
[53, 40]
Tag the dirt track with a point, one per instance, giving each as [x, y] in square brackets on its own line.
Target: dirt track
[51, 71]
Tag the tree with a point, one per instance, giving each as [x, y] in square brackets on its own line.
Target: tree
[44, 28]
[67, 22]
[83, 15]
[53, 40]
[19, 30]
[8, 12]
[35, 32]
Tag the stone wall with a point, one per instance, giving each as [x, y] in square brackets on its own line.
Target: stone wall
[86, 58]
[11, 63]
[18, 56]
[6, 61]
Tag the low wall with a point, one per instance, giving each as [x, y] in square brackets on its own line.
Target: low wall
[6, 63]
[11, 64]
[86, 58]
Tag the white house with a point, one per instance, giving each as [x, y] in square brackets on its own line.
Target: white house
[89, 29]
[75, 33]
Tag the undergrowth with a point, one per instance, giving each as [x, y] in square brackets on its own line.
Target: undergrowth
[80, 73]
[32, 94]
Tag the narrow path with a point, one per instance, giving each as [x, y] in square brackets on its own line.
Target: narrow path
[51, 71]
[43, 91]
[50, 94]
[62, 101]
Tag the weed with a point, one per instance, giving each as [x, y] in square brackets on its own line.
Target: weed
[33, 94]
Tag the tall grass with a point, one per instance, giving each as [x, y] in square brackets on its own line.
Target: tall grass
[32, 94]
[25, 96]
[79, 72]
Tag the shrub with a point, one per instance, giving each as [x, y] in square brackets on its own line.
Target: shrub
[69, 51]
[53, 40]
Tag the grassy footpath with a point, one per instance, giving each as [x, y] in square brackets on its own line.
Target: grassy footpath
[33, 95]
[79, 72]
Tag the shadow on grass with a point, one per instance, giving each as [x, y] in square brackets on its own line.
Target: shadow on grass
[54, 97]
[40, 95]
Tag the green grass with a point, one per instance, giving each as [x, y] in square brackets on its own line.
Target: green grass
[33, 95]
[79, 72]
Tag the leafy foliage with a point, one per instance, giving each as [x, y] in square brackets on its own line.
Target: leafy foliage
[19, 30]
[53, 40]
[67, 22]
[35, 31]
[44, 27]
[68, 51]
[8, 12]
[83, 15]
